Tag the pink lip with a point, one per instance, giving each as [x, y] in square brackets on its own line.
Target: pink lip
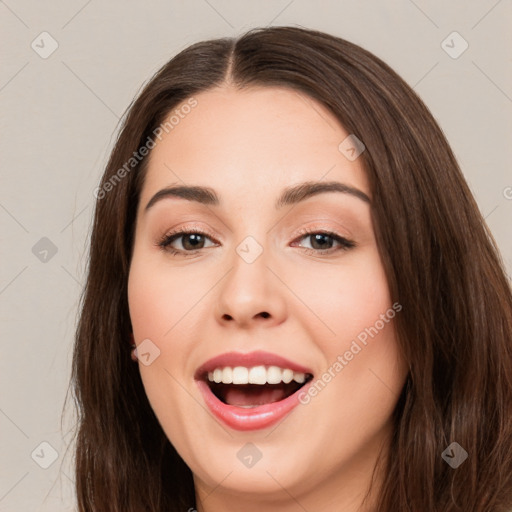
[255, 418]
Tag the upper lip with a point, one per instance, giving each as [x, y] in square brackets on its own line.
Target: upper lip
[248, 360]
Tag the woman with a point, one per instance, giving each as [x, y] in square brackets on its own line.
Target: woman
[293, 302]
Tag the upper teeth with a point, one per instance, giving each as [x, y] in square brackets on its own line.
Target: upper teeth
[255, 375]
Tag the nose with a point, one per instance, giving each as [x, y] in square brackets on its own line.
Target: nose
[250, 295]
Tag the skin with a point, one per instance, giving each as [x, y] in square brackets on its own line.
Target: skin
[248, 146]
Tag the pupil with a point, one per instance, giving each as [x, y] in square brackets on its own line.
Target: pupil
[318, 238]
[195, 238]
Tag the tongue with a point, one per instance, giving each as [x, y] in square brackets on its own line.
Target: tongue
[253, 394]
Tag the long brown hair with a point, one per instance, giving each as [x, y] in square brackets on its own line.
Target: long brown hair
[441, 262]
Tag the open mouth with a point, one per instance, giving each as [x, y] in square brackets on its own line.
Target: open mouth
[251, 391]
[254, 386]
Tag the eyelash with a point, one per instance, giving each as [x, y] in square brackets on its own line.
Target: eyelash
[168, 238]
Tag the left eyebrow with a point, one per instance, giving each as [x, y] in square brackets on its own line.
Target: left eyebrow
[290, 195]
[300, 192]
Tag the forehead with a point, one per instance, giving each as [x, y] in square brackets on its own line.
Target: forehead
[245, 143]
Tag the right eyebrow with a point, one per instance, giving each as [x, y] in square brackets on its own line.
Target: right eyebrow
[203, 195]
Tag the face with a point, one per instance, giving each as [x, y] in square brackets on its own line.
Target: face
[260, 308]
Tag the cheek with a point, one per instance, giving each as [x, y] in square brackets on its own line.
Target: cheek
[373, 368]
[363, 363]
[159, 299]
[345, 298]
[370, 380]
[359, 385]
[158, 307]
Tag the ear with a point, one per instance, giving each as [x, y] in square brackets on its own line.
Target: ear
[133, 347]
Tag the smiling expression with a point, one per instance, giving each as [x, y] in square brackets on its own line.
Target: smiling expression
[255, 267]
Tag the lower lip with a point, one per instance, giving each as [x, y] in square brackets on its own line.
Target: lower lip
[254, 418]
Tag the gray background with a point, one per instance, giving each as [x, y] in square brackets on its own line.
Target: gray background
[59, 115]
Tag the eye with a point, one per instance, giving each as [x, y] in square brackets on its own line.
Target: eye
[322, 242]
[190, 241]
[193, 240]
